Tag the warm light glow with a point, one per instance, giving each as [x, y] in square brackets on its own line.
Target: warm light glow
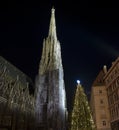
[78, 81]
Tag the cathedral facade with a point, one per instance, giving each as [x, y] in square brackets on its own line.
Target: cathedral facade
[16, 102]
[50, 94]
[44, 108]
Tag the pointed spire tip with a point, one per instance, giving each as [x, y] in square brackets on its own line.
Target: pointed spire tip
[53, 10]
[52, 28]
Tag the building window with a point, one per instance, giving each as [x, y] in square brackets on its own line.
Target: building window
[100, 91]
[104, 123]
[117, 81]
[101, 101]
[112, 114]
[116, 108]
[115, 97]
[110, 100]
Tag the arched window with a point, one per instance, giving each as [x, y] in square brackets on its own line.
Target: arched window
[101, 101]
[104, 123]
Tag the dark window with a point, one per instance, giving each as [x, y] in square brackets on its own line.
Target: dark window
[104, 123]
[101, 101]
[100, 91]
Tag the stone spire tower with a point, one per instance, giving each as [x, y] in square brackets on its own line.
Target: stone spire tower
[50, 90]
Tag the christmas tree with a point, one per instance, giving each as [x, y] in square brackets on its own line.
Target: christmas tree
[81, 118]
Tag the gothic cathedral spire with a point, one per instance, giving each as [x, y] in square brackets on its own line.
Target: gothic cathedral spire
[50, 93]
[52, 28]
[51, 54]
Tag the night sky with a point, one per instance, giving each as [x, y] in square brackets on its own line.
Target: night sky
[88, 33]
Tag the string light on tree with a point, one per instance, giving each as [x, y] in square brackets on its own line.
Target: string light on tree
[81, 118]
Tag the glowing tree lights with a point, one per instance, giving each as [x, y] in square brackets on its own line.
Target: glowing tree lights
[81, 118]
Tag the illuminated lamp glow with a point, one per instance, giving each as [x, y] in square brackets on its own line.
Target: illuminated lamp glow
[78, 81]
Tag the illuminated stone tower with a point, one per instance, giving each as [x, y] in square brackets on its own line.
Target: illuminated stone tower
[50, 90]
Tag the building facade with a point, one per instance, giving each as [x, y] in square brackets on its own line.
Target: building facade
[99, 102]
[112, 86]
[51, 111]
[16, 102]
